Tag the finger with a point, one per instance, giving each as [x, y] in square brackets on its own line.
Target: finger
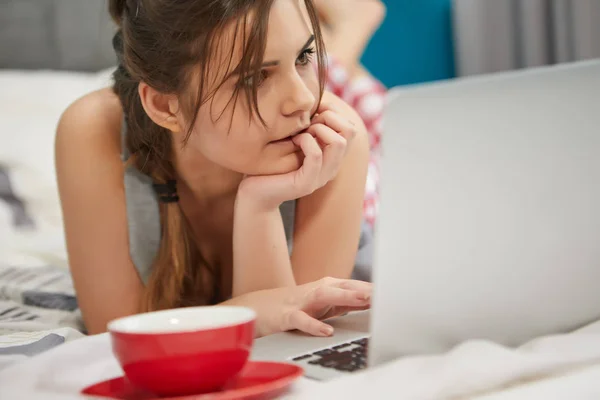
[334, 148]
[339, 311]
[307, 176]
[327, 137]
[300, 320]
[351, 309]
[335, 121]
[336, 297]
[358, 286]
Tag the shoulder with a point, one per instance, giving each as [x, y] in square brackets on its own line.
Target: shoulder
[88, 145]
[101, 106]
[90, 177]
[91, 121]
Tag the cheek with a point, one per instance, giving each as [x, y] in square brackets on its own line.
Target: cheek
[219, 127]
[230, 142]
[311, 79]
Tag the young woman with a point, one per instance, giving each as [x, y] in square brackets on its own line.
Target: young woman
[216, 170]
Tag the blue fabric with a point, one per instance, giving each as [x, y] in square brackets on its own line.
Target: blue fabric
[414, 44]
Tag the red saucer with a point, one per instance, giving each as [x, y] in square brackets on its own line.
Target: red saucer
[258, 380]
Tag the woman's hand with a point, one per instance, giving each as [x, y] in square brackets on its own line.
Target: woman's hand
[324, 146]
[304, 307]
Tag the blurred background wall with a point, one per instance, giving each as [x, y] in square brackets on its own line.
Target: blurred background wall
[426, 40]
[414, 44]
[498, 35]
[420, 40]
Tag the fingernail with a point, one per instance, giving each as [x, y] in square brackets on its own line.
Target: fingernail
[364, 297]
[327, 331]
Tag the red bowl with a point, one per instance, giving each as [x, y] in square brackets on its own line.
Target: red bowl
[183, 351]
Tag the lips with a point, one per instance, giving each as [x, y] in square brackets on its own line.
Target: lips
[290, 136]
[285, 139]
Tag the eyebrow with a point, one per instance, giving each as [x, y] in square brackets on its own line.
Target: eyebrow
[308, 43]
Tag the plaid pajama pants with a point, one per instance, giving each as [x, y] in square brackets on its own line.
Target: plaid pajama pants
[367, 96]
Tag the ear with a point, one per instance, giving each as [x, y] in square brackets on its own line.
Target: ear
[161, 108]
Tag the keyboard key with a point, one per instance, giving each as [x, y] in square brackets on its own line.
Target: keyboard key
[342, 357]
[325, 352]
[304, 357]
[342, 346]
[330, 364]
[346, 368]
[362, 342]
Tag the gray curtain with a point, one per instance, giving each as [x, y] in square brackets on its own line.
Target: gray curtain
[500, 35]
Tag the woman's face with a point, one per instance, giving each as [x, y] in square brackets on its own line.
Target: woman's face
[288, 95]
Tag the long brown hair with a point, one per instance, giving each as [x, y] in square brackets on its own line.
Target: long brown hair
[160, 42]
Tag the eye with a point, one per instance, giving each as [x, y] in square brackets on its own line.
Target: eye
[306, 56]
[249, 80]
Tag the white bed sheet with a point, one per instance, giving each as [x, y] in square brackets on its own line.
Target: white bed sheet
[31, 103]
[554, 367]
[37, 303]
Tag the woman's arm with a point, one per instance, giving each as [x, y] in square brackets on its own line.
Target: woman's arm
[260, 254]
[90, 181]
[328, 222]
[327, 228]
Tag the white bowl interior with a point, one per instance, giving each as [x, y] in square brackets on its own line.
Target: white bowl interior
[183, 320]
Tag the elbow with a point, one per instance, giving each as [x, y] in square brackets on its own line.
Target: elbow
[95, 326]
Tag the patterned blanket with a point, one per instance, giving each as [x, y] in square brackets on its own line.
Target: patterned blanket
[38, 311]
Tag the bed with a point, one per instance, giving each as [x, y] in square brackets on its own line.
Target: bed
[36, 292]
[39, 318]
[52, 53]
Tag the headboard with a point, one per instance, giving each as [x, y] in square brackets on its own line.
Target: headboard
[56, 34]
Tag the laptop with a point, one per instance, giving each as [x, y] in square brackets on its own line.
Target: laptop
[489, 224]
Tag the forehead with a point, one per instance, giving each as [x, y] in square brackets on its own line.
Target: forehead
[288, 29]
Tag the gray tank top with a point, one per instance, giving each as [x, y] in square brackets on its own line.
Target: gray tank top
[143, 221]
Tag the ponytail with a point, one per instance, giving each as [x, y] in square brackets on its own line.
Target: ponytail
[173, 283]
[180, 276]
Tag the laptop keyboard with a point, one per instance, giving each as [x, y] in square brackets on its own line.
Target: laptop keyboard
[345, 357]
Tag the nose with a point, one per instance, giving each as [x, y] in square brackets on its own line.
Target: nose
[298, 98]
